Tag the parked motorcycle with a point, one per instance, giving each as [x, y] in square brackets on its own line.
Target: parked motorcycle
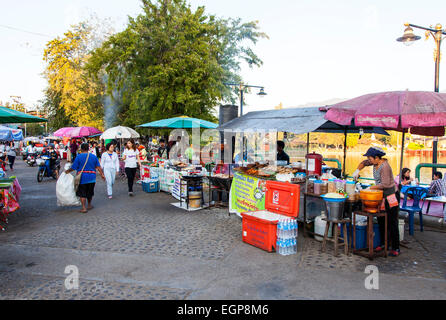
[31, 159]
[45, 169]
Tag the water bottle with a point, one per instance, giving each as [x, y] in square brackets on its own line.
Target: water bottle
[279, 226]
[285, 229]
[288, 247]
[295, 228]
[278, 246]
[295, 245]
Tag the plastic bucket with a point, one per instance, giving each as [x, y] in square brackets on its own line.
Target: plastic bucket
[195, 199]
[401, 229]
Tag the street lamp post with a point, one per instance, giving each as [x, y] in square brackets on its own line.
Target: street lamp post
[242, 88]
[436, 33]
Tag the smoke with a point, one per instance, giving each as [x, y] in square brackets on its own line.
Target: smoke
[112, 106]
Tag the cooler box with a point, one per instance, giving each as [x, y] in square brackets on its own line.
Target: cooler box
[260, 227]
[151, 185]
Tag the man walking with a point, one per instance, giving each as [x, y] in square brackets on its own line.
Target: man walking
[88, 163]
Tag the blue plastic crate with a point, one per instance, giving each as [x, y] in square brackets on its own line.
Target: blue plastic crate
[151, 186]
[361, 236]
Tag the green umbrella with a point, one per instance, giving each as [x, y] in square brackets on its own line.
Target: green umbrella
[180, 123]
[12, 116]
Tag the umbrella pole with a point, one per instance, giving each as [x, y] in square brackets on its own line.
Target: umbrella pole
[345, 150]
[402, 154]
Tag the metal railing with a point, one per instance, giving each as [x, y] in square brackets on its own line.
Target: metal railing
[427, 165]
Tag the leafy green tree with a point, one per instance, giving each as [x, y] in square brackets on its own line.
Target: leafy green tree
[173, 61]
[78, 94]
[51, 106]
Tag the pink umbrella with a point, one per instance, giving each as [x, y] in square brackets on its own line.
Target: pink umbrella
[77, 132]
[423, 112]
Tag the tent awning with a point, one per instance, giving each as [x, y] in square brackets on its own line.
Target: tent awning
[12, 116]
[295, 120]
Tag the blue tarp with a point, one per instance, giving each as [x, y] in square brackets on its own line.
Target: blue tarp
[9, 134]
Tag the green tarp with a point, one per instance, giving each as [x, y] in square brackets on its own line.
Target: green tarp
[12, 116]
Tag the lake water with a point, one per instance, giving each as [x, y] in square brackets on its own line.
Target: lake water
[411, 161]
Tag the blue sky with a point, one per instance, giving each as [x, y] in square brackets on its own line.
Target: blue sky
[317, 51]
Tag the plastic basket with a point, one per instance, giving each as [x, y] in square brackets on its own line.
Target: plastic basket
[151, 186]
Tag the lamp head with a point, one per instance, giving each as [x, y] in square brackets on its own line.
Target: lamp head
[262, 93]
[409, 37]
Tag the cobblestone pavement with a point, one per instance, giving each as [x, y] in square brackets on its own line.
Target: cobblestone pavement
[145, 248]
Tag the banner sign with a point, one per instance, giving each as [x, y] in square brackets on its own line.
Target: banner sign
[247, 194]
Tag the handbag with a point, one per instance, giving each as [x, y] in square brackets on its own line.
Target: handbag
[77, 179]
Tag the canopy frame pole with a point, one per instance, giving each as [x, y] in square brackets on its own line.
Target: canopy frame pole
[345, 150]
[402, 155]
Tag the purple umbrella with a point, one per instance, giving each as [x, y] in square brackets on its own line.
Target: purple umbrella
[77, 132]
[423, 112]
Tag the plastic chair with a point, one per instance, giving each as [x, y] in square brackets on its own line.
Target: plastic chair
[418, 194]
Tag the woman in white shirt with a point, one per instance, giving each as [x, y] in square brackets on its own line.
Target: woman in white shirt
[10, 151]
[110, 166]
[131, 159]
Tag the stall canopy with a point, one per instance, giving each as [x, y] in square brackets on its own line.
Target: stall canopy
[180, 123]
[12, 116]
[295, 120]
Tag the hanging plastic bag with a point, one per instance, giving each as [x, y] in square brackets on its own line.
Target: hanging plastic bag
[66, 196]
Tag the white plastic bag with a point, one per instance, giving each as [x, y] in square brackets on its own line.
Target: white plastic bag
[66, 196]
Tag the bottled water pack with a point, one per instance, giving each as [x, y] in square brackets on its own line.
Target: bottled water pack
[287, 230]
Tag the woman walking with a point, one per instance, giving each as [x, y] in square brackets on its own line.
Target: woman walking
[110, 166]
[10, 151]
[383, 175]
[131, 159]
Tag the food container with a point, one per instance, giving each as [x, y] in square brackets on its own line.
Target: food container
[324, 187]
[317, 187]
[310, 185]
[350, 188]
[340, 184]
[331, 185]
[371, 200]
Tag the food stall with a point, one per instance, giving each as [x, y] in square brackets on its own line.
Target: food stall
[185, 182]
[248, 185]
[10, 190]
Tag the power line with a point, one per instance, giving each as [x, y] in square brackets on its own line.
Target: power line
[30, 32]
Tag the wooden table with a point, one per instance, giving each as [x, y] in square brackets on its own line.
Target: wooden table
[363, 252]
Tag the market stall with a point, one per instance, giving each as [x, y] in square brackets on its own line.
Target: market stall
[10, 190]
[9, 187]
[186, 183]
[248, 185]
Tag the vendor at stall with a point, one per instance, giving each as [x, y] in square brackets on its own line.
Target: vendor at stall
[281, 155]
[384, 180]
[163, 150]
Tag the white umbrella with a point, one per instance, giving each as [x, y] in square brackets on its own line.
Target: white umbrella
[119, 132]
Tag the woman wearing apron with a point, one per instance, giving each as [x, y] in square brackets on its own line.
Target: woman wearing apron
[382, 173]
